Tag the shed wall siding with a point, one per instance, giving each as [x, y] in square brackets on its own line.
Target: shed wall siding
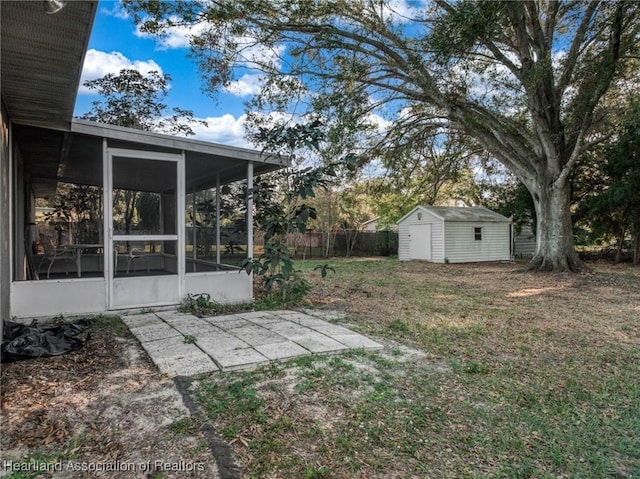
[461, 247]
[437, 236]
[403, 241]
[524, 244]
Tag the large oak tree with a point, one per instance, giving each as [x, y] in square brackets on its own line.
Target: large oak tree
[525, 79]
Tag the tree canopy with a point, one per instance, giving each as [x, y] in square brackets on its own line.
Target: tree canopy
[525, 79]
[610, 206]
[134, 100]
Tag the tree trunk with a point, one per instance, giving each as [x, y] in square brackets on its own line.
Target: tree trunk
[130, 201]
[619, 246]
[555, 249]
[350, 240]
[636, 249]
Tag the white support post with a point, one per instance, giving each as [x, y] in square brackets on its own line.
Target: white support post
[194, 235]
[218, 218]
[12, 185]
[181, 193]
[250, 210]
[110, 266]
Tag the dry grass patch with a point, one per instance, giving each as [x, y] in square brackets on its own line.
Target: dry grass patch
[516, 375]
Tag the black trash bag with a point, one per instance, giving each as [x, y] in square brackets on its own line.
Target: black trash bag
[20, 341]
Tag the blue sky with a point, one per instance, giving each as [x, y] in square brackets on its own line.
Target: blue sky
[116, 44]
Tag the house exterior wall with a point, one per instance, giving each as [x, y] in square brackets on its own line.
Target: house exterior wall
[68, 297]
[74, 296]
[223, 286]
[462, 247]
[5, 251]
[437, 235]
[371, 226]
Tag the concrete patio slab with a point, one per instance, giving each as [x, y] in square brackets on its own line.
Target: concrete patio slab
[263, 316]
[244, 358]
[140, 320]
[171, 315]
[257, 335]
[175, 357]
[317, 343]
[229, 323]
[183, 344]
[284, 350]
[219, 343]
[287, 329]
[185, 366]
[154, 332]
[197, 329]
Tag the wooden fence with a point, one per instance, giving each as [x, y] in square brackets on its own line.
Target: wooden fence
[316, 244]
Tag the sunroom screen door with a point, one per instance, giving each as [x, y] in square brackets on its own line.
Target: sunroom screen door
[144, 250]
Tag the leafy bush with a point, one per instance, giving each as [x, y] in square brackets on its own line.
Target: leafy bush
[281, 211]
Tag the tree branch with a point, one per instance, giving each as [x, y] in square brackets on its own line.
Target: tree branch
[576, 46]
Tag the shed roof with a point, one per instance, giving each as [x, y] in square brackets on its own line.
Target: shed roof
[372, 220]
[475, 214]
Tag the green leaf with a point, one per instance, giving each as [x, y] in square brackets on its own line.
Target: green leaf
[324, 269]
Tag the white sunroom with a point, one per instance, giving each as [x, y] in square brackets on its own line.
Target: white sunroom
[92, 257]
[93, 217]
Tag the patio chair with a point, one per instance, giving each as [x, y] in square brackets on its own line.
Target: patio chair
[53, 253]
[134, 254]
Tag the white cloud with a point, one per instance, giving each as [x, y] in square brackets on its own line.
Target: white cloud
[253, 83]
[402, 10]
[251, 54]
[381, 124]
[247, 85]
[116, 10]
[225, 129]
[97, 64]
[173, 37]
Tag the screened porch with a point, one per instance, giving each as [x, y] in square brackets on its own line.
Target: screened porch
[108, 218]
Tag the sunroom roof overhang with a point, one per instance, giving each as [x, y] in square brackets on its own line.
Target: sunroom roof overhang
[74, 156]
[41, 59]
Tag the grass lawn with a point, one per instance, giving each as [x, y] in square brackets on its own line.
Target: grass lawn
[486, 372]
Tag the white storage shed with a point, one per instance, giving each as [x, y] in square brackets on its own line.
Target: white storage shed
[442, 234]
[524, 242]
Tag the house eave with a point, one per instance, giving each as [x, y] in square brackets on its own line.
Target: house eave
[41, 60]
[170, 142]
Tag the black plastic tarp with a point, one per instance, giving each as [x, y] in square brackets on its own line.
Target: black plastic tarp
[20, 341]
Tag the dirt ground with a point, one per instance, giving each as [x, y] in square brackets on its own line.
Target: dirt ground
[101, 411]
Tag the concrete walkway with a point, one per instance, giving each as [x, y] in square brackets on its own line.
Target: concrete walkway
[183, 344]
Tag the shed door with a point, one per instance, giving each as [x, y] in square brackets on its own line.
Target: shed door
[420, 242]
